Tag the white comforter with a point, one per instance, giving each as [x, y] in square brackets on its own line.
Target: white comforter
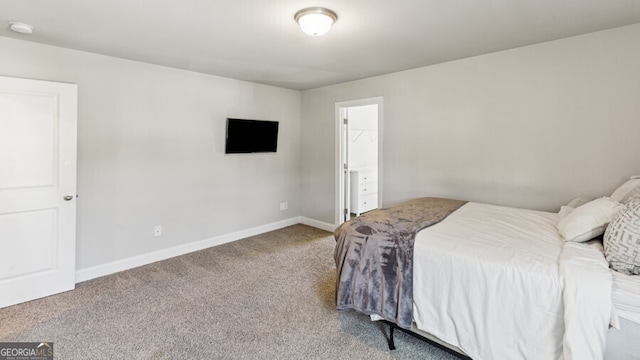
[500, 283]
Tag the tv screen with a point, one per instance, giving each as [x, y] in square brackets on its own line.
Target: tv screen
[251, 136]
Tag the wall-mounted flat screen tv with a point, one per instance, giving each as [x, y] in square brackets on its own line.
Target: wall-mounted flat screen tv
[251, 136]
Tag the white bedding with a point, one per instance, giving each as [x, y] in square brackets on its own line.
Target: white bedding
[500, 283]
[625, 292]
[626, 295]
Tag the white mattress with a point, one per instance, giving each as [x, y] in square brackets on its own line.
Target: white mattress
[494, 282]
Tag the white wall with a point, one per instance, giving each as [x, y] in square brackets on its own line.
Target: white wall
[529, 127]
[151, 151]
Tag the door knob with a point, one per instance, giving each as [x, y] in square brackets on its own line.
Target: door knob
[68, 197]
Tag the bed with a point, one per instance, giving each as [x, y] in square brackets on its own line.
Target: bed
[494, 282]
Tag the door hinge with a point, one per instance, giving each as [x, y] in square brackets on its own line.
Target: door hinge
[345, 121]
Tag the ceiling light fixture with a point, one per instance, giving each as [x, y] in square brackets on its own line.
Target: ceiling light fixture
[315, 21]
[21, 28]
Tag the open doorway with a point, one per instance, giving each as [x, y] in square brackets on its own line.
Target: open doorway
[358, 160]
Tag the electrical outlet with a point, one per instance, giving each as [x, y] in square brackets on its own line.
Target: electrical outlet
[284, 205]
[157, 230]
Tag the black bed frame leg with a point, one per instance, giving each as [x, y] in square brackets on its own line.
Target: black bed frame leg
[392, 346]
[392, 327]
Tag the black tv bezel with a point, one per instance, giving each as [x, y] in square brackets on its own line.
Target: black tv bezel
[248, 146]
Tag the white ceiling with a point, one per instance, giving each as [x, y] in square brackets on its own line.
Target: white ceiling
[258, 40]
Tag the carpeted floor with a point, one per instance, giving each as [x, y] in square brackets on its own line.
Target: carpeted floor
[269, 296]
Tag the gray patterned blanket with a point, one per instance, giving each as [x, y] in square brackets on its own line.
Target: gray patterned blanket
[374, 257]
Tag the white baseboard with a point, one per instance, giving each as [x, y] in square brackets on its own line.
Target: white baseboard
[317, 224]
[144, 259]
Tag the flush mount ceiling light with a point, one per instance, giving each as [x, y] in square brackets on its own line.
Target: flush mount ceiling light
[315, 21]
[21, 27]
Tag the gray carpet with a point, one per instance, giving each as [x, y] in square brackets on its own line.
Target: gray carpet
[269, 296]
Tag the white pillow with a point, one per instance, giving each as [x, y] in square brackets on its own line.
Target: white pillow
[565, 210]
[633, 195]
[579, 201]
[624, 189]
[622, 240]
[589, 220]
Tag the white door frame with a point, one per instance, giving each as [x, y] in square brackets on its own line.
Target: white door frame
[340, 160]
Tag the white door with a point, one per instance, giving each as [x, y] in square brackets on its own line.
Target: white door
[362, 157]
[346, 159]
[37, 188]
[346, 213]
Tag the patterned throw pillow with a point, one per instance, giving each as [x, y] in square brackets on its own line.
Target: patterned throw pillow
[622, 240]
